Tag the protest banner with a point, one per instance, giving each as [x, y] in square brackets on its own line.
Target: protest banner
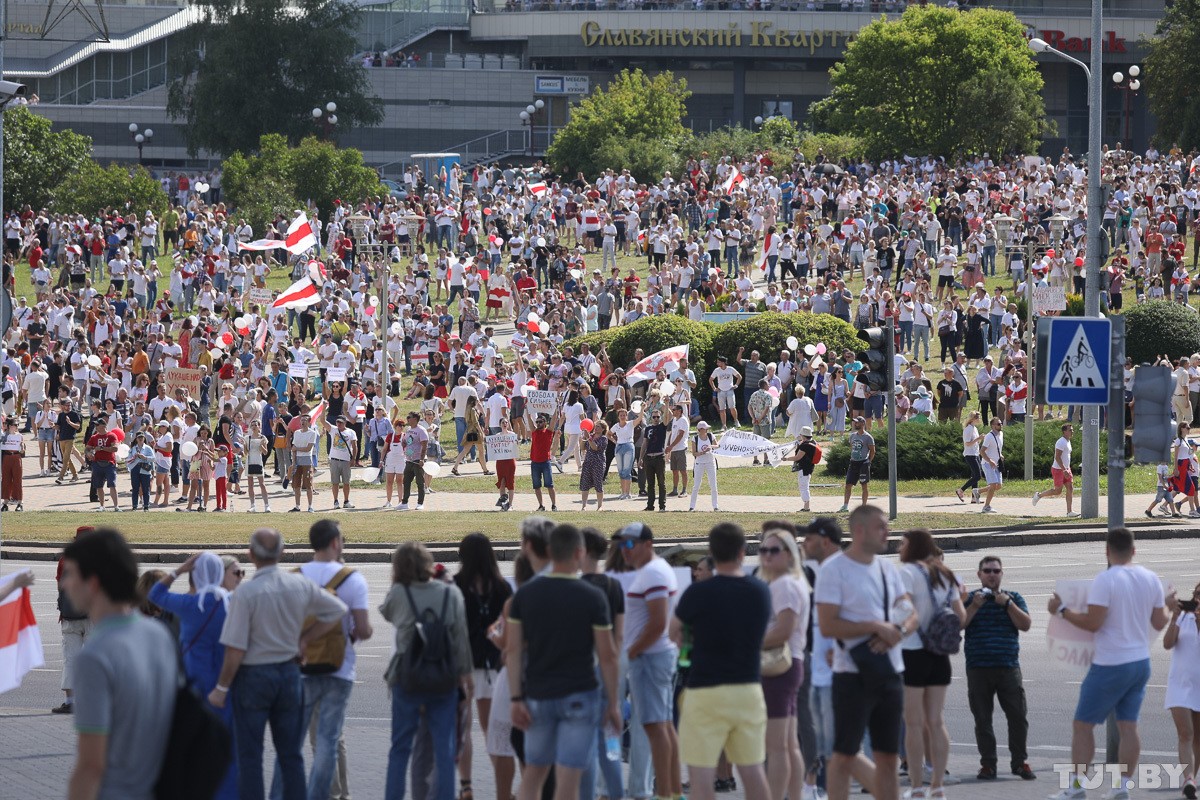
[539, 401]
[298, 369]
[183, 378]
[336, 375]
[1049, 298]
[743, 444]
[501, 446]
[1069, 645]
[260, 297]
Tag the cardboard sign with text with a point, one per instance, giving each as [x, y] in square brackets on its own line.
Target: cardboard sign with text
[501, 446]
[183, 378]
[539, 401]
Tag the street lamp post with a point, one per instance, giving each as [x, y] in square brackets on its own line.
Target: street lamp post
[140, 137]
[1129, 84]
[526, 117]
[1090, 490]
[327, 116]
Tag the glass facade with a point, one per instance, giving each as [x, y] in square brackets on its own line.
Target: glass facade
[106, 76]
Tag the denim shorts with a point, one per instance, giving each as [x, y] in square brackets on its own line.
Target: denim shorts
[104, 473]
[1120, 688]
[563, 730]
[45, 434]
[652, 685]
[542, 474]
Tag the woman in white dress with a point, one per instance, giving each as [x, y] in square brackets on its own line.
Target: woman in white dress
[1183, 683]
[800, 413]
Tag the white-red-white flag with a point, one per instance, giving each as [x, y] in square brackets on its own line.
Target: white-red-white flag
[263, 244]
[317, 412]
[539, 189]
[20, 641]
[260, 337]
[300, 236]
[733, 181]
[762, 260]
[301, 294]
[664, 359]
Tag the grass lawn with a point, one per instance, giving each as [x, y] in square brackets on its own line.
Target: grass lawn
[435, 526]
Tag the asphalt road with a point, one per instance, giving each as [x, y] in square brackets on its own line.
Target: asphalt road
[36, 748]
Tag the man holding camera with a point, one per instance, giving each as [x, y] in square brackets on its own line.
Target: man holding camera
[995, 619]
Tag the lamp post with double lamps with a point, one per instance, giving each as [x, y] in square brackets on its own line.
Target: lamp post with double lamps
[1090, 490]
[140, 137]
[1130, 84]
[327, 117]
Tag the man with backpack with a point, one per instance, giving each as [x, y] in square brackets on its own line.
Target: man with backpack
[272, 619]
[329, 668]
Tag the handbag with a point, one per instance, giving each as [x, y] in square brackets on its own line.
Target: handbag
[775, 661]
[873, 666]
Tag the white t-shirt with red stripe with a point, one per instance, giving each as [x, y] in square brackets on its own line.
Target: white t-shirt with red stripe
[654, 581]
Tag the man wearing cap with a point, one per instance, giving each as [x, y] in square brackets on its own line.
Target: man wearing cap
[862, 453]
[804, 456]
[343, 454]
[649, 598]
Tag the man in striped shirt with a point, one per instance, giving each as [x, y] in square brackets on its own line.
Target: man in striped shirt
[995, 619]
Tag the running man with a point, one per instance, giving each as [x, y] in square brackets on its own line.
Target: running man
[1061, 470]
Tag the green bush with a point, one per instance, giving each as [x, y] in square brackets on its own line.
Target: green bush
[935, 451]
[768, 332]
[1160, 328]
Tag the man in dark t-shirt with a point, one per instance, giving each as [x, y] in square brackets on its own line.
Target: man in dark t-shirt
[725, 619]
[559, 625]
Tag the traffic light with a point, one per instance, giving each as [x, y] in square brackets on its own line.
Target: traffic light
[876, 357]
[1153, 431]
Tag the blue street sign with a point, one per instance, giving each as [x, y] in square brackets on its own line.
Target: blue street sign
[1077, 361]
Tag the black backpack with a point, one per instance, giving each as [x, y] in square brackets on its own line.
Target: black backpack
[428, 664]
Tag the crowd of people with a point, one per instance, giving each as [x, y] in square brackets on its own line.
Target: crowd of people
[824, 664]
[96, 354]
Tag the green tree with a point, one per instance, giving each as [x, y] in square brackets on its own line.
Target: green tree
[937, 81]
[1170, 75]
[314, 170]
[636, 119]
[91, 188]
[252, 67]
[36, 159]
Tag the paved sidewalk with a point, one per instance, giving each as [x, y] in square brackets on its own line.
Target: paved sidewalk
[42, 494]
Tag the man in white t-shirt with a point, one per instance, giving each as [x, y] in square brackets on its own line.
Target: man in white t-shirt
[497, 407]
[458, 402]
[1060, 469]
[327, 695]
[649, 600]
[304, 459]
[862, 603]
[677, 447]
[1123, 604]
[724, 381]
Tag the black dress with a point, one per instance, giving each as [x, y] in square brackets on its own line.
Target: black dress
[975, 347]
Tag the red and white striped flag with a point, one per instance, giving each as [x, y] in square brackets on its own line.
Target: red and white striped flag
[641, 237]
[301, 294]
[260, 337]
[762, 260]
[317, 412]
[20, 642]
[262, 244]
[539, 189]
[300, 236]
[667, 360]
[734, 180]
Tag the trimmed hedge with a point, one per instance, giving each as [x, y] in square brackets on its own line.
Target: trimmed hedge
[935, 451]
[1161, 328]
[767, 333]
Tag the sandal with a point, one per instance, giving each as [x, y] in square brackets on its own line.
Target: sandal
[465, 793]
[454, 471]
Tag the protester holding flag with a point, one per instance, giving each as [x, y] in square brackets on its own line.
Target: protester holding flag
[20, 640]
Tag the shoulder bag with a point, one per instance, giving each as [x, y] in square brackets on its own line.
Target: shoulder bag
[873, 666]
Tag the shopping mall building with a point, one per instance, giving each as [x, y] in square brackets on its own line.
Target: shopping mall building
[468, 72]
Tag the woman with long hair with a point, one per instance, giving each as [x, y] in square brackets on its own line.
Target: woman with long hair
[932, 586]
[622, 436]
[971, 440]
[790, 604]
[1183, 689]
[473, 437]
[413, 593]
[391, 457]
[484, 592]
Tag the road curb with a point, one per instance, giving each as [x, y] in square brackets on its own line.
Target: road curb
[951, 539]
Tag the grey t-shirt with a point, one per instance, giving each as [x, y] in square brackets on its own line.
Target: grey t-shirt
[860, 446]
[125, 685]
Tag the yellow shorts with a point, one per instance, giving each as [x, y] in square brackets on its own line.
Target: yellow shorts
[730, 718]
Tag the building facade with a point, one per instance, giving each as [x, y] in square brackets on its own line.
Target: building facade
[462, 76]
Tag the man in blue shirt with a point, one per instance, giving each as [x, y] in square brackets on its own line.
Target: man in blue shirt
[995, 618]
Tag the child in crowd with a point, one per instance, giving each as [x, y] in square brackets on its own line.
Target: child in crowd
[1165, 495]
[220, 473]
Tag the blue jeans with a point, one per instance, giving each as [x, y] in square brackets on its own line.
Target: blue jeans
[920, 336]
[261, 694]
[441, 715]
[610, 770]
[563, 730]
[906, 337]
[624, 454]
[988, 260]
[325, 697]
[141, 488]
[731, 260]
[994, 322]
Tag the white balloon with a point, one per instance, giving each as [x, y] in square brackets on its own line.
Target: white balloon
[666, 389]
[432, 469]
[122, 451]
[239, 323]
[576, 274]
[541, 241]
[93, 361]
[216, 352]
[636, 407]
[374, 300]
[368, 474]
[534, 317]
[188, 449]
[792, 343]
[395, 328]
[594, 369]
[810, 349]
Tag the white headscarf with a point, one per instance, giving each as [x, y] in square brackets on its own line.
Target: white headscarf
[207, 574]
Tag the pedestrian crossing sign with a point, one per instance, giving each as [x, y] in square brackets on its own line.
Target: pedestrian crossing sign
[1078, 357]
